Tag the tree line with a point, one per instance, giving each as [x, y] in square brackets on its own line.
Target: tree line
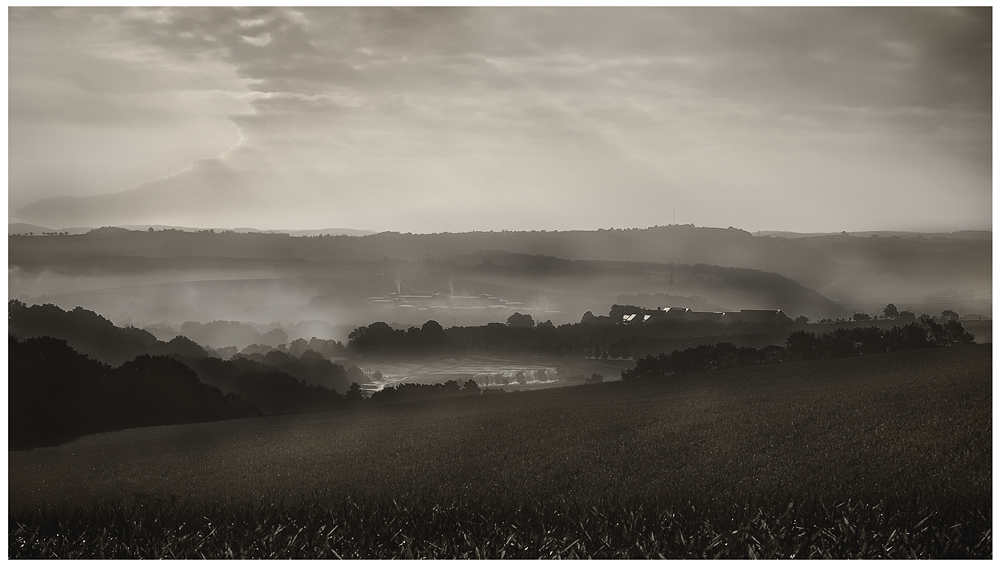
[70, 373]
[225, 338]
[594, 336]
[419, 391]
[804, 345]
[56, 394]
[272, 383]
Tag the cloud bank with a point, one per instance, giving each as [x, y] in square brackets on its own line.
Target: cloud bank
[451, 119]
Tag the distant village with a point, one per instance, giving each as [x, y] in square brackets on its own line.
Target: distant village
[450, 303]
[665, 314]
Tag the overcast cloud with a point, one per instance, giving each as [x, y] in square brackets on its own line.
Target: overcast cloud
[449, 119]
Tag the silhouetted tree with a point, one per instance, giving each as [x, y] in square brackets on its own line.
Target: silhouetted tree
[354, 373]
[311, 367]
[950, 315]
[85, 331]
[274, 337]
[328, 348]
[518, 320]
[618, 349]
[890, 311]
[376, 339]
[354, 395]
[432, 337]
[861, 317]
[957, 334]
[804, 345]
[56, 394]
[298, 347]
[274, 391]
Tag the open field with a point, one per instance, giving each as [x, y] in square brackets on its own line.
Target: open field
[880, 456]
[510, 373]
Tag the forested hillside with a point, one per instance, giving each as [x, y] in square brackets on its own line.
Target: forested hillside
[276, 382]
[56, 394]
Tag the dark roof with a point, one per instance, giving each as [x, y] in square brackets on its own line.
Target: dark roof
[710, 316]
[762, 315]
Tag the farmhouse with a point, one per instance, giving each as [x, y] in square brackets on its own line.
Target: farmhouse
[672, 314]
[707, 316]
[676, 313]
[771, 316]
[634, 318]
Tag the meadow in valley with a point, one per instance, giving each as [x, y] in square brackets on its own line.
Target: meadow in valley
[880, 456]
[500, 282]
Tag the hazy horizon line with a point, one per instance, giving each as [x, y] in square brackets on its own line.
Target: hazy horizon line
[370, 231]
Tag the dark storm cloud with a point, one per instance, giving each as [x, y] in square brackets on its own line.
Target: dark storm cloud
[689, 107]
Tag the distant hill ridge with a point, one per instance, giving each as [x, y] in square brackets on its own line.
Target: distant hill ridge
[467, 261]
[959, 234]
[846, 268]
[24, 228]
[34, 229]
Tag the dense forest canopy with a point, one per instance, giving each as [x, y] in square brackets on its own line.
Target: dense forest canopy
[57, 394]
[277, 382]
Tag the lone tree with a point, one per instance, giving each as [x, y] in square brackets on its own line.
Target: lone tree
[890, 311]
[950, 315]
[518, 320]
[354, 373]
[354, 395]
[432, 336]
[861, 317]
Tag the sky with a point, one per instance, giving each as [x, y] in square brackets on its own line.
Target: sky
[460, 119]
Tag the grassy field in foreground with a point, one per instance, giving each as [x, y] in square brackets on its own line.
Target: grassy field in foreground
[880, 456]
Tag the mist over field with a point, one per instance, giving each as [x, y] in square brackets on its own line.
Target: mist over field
[172, 277]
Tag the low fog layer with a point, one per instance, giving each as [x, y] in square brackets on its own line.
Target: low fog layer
[171, 277]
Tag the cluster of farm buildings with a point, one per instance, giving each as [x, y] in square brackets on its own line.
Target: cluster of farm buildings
[448, 302]
[664, 314]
